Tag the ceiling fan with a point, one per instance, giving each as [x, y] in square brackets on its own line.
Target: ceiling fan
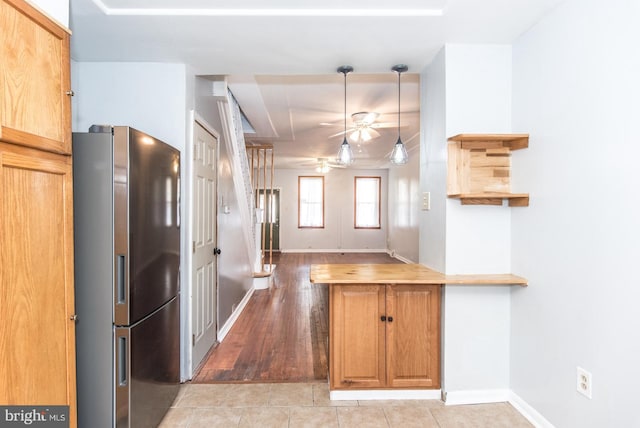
[322, 165]
[364, 127]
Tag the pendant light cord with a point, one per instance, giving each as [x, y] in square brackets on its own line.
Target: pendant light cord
[399, 73]
[345, 105]
[399, 68]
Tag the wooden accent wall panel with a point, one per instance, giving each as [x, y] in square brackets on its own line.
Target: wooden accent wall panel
[479, 168]
[34, 79]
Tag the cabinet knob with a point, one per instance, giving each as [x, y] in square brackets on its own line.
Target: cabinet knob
[390, 319]
[383, 318]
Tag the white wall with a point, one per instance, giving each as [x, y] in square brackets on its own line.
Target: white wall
[404, 209]
[56, 9]
[150, 97]
[433, 163]
[338, 232]
[576, 90]
[468, 90]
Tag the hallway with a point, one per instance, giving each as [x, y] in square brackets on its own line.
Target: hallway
[282, 334]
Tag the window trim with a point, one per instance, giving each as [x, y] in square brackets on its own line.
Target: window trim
[321, 177]
[355, 202]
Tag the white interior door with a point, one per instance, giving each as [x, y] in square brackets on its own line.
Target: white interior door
[204, 270]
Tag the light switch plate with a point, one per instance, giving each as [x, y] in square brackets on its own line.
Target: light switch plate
[426, 201]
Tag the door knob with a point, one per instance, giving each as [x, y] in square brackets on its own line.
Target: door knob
[217, 251]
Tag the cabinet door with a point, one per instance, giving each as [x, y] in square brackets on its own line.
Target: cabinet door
[37, 334]
[357, 336]
[413, 337]
[35, 109]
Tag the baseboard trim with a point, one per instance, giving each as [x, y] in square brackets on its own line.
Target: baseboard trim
[334, 250]
[454, 398]
[222, 333]
[386, 394]
[398, 257]
[532, 415]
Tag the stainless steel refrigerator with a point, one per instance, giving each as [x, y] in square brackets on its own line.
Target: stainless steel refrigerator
[127, 258]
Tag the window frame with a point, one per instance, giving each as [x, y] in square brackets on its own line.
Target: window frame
[355, 201]
[315, 177]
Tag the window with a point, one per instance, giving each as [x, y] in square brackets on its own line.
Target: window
[367, 203]
[311, 202]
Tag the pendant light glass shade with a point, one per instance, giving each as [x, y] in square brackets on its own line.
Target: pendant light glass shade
[345, 155]
[399, 155]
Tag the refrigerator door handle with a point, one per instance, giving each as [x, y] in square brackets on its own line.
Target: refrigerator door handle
[123, 373]
[121, 291]
[121, 368]
[121, 280]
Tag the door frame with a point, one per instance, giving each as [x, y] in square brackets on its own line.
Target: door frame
[186, 330]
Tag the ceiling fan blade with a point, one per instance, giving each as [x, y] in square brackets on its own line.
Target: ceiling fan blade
[335, 165]
[373, 133]
[364, 135]
[336, 134]
[341, 133]
[387, 125]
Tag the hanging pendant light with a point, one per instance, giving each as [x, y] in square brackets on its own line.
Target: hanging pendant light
[399, 155]
[345, 155]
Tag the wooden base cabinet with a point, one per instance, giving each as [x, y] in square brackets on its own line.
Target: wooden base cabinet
[384, 336]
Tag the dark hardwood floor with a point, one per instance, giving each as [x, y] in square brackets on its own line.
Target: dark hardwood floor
[282, 334]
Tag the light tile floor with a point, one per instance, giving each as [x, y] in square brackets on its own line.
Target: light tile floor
[308, 405]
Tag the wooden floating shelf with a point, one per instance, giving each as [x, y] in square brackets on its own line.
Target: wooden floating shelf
[479, 169]
[483, 141]
[515, 199]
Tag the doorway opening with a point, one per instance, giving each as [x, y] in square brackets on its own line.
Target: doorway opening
[269, 203]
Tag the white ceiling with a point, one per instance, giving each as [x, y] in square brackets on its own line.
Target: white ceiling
[281, 59]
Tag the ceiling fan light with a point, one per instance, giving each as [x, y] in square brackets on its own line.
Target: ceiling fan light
[355, 136]
[323, 167]
[399, 155]
[345, 155]
[371, 117]
[365, 135]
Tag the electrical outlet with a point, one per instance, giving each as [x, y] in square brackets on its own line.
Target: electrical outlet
[584, 382]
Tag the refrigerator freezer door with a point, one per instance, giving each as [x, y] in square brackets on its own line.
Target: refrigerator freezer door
[147, 247]
[147, 361]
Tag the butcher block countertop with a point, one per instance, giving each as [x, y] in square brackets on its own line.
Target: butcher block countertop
[411, 273]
